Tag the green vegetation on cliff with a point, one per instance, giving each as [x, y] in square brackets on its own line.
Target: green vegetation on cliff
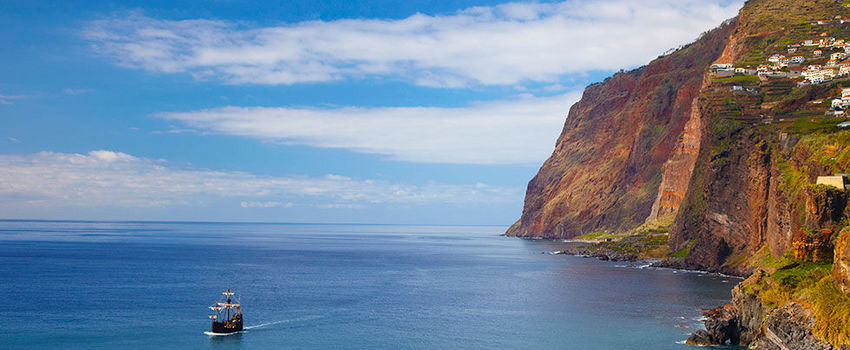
[809, 284]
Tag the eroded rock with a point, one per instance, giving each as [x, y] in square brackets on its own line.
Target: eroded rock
[814, 246]
[841, 264]
[789, 328]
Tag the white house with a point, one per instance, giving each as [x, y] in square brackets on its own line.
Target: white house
[820, 75]
[798, 59]
[721, 66]
[826, 42]
[845, 94]
[809, 43]
[843, 102]
[818, 53]
[835, 181]
[844, 69]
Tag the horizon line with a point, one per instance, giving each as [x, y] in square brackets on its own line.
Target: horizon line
[239, 222]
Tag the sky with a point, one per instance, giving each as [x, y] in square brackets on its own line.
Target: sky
[427, 112]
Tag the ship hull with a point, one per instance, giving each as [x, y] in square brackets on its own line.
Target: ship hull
[225, 328]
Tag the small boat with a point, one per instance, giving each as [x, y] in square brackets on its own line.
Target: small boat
[227, 316]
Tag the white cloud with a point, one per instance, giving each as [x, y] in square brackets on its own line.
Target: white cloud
[110, 156]
[9, 99]
[340, 206]
[253, 204]
[504, 44]
[519, 131]
[108, 178]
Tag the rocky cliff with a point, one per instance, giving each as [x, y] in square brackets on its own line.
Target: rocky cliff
[724, 166]
[747, 321]
[627, 137]
[841, 265]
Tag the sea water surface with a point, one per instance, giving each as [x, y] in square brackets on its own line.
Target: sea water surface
[147, 285]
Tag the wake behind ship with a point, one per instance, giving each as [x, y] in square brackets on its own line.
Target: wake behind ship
[227, 317]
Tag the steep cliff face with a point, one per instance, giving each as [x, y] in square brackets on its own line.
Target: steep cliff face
[618, 143]
[732, 162]
[679, 167]
[666, 141]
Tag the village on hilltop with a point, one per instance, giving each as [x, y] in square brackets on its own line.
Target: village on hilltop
[806, 62]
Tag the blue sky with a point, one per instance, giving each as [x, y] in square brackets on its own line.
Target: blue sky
[304, 111]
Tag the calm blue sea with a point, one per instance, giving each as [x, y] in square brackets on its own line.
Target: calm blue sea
[144, 285]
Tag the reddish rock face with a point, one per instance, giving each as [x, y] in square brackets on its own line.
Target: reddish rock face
[608, 162]
[815, 247]
[824, 206]
[841, 262]
[679, 167]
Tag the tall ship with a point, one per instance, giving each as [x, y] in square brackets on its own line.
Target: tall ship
[227, 316]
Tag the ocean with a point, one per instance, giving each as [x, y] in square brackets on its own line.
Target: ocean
[147, 285]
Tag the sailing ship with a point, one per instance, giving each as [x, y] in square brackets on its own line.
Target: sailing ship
[227, 316]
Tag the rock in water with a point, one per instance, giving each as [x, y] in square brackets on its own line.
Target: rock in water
[722, 328]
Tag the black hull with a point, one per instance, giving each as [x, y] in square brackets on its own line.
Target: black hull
[227, 327]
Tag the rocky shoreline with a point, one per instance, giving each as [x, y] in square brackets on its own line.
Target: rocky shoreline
[601, 254]
[670, 263]
[744, 321]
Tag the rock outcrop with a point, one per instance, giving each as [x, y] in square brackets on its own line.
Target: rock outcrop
[841, 262]
[824, 206]
[813, 246]
[734, 324]
[789, 328]
[747, 322]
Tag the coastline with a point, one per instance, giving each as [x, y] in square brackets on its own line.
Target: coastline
[745, 319]
[721, 324]
[611, 255]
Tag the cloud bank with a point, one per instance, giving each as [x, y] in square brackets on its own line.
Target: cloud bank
[498, 45]
[108, 178]
[520, 131]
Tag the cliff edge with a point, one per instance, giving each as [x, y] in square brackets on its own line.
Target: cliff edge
[732, 153]
[606, 170]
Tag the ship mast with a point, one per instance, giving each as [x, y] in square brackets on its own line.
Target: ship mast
[228, 304]
[226, 308]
